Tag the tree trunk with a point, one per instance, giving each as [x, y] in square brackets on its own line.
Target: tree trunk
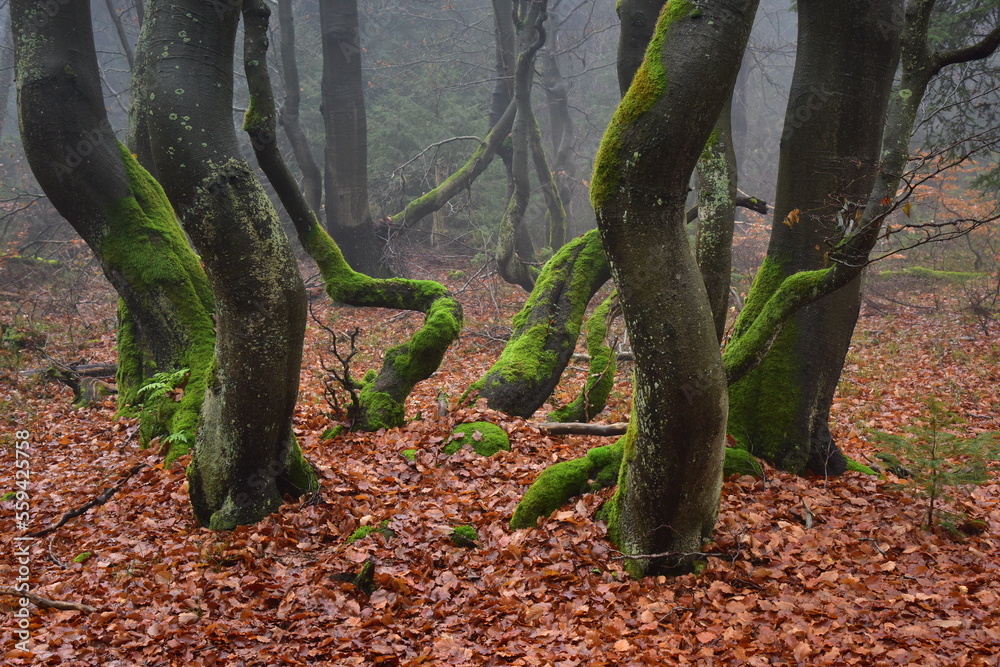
[246, 454]
[6, 67]
[546, 329]
[118, 210]
[671, 473]
[717, 177]
[830, 154]
[312, 179]
[513, 245]
[348, 217]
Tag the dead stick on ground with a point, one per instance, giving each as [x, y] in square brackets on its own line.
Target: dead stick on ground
[82, 509]
[45, 602]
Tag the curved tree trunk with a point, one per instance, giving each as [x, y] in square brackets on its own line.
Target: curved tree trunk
[312, 179]
[118, 210]
[830, 154]
[381, 399]
[546, 329]
[512, 251]
[671, 473]
[348, 217]
[246, 455]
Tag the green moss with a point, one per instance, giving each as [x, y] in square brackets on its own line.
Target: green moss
[550, 321]
[331, 433]
[859, 467]
[741, 462]
[562, 481]
[490, 439]
[924, 273]
[645, 91]
[557, 484]
[364, 531]
[299, 476]
[409, 454]
[464, 536]
[147, 246]
[80, 558]
[380, 410]
[601, 375]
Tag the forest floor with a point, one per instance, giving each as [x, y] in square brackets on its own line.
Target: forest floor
[838, 571]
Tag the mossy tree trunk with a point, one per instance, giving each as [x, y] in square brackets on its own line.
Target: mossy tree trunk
[830, 154]
[671, 473]
[117, 208]
[348, 217]
[6, 65]
[246, 454]
[382, 399]
[546, 329]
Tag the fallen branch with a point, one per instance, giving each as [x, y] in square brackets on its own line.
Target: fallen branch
[45, 603]
[99, 500]
[580, 428]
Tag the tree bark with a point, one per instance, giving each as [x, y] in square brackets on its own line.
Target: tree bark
[246, 454]
[118, 210]
[717, 178]
[348, 217]
[671, 473]
[511, 252]
[6, 68]
[312, 179]
[830, 154]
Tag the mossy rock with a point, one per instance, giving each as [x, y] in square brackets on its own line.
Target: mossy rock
[485, 438]
[408, 454]
[464, 536]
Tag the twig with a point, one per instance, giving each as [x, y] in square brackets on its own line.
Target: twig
[874, 543]
[53, 557]
[45, 603]
[807, 515]
[99, 500]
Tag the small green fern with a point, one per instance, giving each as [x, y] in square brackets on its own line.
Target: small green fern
[161, 384]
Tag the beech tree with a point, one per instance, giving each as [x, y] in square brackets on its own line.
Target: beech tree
[841, 118]
[671, 471]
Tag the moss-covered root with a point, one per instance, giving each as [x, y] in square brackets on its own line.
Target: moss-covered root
[546, 329]
[562, 481]
[404, 365]
[601, 375]
[486, 439]
[598, 469]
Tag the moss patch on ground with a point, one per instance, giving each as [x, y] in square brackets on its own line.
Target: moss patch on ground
[485, 438]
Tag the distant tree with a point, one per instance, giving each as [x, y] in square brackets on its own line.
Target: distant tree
[348, 216]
